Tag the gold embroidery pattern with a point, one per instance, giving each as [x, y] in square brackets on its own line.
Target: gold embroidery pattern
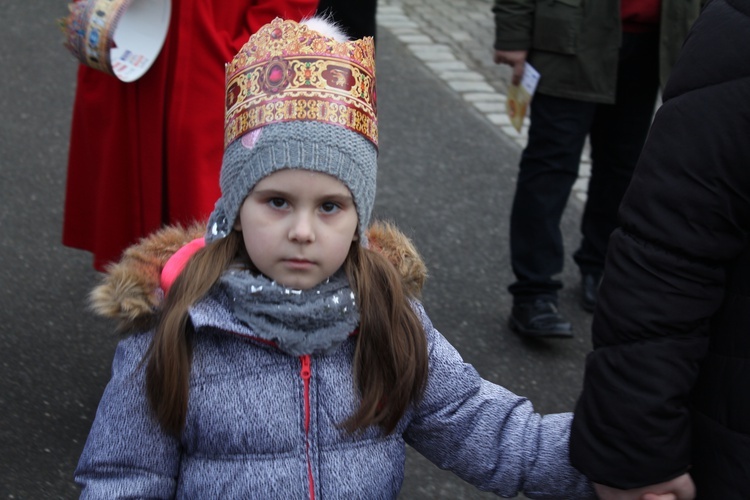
[288, 72]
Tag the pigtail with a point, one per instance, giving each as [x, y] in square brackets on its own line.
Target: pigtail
[169, 355]
[390, 360]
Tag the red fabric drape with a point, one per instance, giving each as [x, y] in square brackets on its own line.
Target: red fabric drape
[148, 153]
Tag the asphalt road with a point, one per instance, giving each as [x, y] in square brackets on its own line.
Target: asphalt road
[446, 178]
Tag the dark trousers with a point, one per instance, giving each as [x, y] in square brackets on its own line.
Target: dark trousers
[549, 167]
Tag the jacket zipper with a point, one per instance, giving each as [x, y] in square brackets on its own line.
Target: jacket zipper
[305, 374]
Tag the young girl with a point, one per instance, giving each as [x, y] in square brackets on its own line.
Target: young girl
[290, 357]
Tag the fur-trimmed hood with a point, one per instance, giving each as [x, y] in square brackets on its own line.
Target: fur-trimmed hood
[130, 291]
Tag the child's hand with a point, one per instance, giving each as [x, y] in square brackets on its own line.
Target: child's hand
[679, 488]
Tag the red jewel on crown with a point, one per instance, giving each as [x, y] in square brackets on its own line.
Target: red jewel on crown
[275, 76]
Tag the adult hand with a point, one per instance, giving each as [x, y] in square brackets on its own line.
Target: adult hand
[679, 488]
[516, 59]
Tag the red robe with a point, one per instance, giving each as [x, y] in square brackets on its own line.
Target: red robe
[148, 153]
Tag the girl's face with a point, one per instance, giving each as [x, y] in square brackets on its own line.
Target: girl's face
[298, 226]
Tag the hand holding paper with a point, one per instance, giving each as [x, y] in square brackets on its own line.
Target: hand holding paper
[519, 96]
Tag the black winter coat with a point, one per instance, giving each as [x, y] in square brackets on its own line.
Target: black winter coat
[667, 387]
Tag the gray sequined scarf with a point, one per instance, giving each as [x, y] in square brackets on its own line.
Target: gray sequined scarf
[300, 322]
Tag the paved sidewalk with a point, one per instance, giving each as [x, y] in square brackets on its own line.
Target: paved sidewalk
[454, 40]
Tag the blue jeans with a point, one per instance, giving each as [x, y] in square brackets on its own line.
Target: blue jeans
[549, 167]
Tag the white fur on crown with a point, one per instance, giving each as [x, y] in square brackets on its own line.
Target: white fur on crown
[327, 27]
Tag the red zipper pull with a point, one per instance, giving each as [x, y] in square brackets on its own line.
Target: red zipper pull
[305, 371]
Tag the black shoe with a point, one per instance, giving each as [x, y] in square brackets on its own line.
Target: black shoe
[589, 289]
[539, 319]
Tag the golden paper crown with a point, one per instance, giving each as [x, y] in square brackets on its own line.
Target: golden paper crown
[92, 26]
[88, 31]
[287, 72]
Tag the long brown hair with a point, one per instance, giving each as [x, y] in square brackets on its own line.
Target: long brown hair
[390, 360]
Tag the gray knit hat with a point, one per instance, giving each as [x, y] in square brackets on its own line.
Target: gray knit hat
[307, 145]
[298, 99]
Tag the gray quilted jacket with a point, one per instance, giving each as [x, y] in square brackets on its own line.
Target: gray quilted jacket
[263, 424]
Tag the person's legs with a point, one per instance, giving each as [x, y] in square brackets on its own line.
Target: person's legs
[548, 169]
[618, 133]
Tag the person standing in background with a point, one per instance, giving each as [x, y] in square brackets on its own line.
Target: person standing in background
[665, 395]
[148, 153]
[601, 64]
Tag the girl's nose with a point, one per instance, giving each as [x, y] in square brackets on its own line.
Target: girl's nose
[302, 229]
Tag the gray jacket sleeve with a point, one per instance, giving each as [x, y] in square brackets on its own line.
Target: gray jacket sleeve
[489, 436]
[114, 463]
[514, 23]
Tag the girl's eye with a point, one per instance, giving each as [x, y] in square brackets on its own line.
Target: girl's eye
[329, 207]
[277, 202]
